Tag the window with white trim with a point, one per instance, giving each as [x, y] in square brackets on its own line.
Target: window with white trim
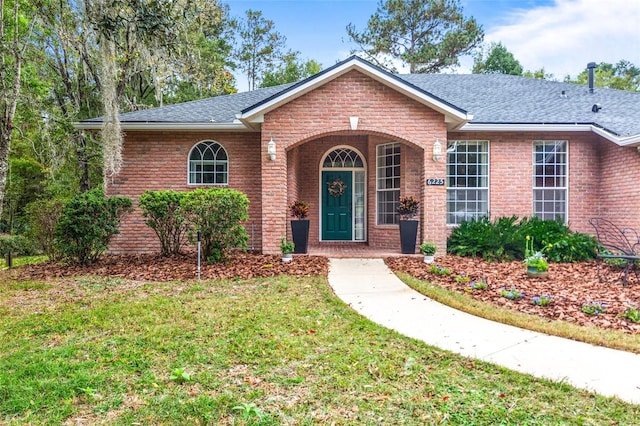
[467, 180]
[550, 180]
[208, 164]
[388, 183]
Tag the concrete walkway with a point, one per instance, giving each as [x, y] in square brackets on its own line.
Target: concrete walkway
[370, 288]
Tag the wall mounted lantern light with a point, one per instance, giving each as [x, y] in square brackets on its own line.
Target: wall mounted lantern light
[271, 150]
[437, 151]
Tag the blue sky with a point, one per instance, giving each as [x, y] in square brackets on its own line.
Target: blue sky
[560, 35]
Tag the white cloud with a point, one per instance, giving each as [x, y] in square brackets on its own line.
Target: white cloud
[567, 35]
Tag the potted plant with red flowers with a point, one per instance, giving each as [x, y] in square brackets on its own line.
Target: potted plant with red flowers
[300, 226]
[408, 209]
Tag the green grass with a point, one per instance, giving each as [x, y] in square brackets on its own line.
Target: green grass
[608, 338]
[22, 260]
[258, 352]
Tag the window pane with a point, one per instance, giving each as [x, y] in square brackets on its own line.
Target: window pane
[388, 183]
[208, 164]
[467, 180]
[550, 180]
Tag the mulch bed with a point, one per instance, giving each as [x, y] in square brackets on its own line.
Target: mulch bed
[153, 267]
[570, 284]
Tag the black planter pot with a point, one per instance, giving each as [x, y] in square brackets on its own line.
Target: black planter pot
[408, 234]
[300, 233]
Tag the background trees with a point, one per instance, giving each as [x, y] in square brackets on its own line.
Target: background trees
[15, 37]
[260, 46]
[623, 76]
[427, 35]
[290, 70]
[496, 60]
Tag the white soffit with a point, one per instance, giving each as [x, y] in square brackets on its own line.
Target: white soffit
[452, 114]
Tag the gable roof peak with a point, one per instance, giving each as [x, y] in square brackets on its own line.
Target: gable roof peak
[255, 113]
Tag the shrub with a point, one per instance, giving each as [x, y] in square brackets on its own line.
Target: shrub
[87, 224]
[572, 247]
[217, 213]
[504, 239]
[557, 241]
[43, 216]
[164, 215]
[18, 245]
[498, 240]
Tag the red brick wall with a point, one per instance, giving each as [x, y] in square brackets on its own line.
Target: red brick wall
[511, 173]
[384, 116]
[620, 184]
[158, 160]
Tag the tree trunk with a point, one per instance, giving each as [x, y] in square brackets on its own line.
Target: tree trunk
[9, 100]
[83, 162]
[5, 142]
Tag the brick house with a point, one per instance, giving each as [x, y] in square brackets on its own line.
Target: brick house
[464, 145]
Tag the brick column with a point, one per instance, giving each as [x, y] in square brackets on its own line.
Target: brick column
[434, 223]
[274, 196]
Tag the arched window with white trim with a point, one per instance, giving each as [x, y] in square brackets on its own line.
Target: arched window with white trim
[208, 164]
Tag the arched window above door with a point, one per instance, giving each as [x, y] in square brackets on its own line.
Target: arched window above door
[343, 158]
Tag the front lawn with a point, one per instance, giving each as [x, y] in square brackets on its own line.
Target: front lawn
[275, 350]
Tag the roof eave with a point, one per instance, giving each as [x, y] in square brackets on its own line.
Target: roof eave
[156, 126]
[552, 127]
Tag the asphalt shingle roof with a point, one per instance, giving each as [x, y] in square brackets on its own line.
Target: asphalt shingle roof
[498, 98]
[490, 98]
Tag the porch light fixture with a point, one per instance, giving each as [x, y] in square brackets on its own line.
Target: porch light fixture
[271, 150]
[437, 151]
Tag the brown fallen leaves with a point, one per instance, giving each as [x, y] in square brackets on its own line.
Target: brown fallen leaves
[153, 267]
[570, 284]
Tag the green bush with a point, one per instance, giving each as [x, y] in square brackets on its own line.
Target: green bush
[498, 240]
[43, 215]
[572, 247]
[164, 215]
[504, 239]
[87, 224]
[217, 213]
[18, 245]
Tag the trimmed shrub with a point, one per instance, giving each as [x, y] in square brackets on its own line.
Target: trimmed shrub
[86, 225]
[217, 213]
[163, 214]
[43, 215]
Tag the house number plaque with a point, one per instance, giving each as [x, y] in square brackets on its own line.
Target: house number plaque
[435, 181]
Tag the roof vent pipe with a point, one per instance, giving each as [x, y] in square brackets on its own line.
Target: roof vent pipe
[591, 66]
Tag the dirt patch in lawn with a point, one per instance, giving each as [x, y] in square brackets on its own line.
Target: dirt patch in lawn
[571, 285]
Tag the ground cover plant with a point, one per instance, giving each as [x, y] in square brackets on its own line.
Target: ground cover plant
[278, 350]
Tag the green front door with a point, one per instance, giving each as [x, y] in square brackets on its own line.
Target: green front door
[336, 205]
